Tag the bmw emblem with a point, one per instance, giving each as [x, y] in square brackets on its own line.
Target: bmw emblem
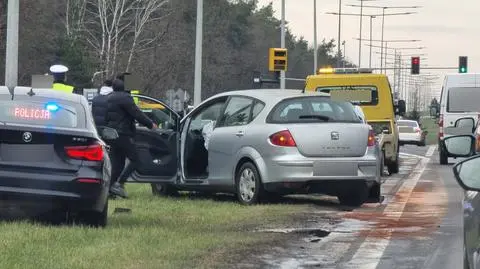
[27, 137]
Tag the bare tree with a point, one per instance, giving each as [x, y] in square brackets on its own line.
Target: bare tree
[115, 28]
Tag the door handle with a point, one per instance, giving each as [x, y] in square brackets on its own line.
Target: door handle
[239, 133]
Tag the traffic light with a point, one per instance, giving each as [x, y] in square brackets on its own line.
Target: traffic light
[462, 64]
[277, 60]
[415, 69]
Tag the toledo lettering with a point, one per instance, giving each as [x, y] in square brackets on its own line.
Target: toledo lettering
[32, 113]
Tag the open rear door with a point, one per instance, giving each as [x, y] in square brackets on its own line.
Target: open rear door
[158, 149]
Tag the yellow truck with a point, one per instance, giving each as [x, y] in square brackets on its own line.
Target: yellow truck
[373, 94]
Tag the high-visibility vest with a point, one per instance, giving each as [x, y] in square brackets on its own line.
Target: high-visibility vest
[135, 99]
[63, 87]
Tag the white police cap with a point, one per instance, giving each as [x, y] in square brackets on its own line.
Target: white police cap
[58, 68]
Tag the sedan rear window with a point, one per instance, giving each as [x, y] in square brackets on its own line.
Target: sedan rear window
[360, 95]
[313, 109]
[38, 113]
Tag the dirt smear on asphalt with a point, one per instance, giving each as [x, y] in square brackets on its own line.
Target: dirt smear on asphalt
[424, 210]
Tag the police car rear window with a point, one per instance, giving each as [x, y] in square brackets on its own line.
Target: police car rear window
[359, 95]
[38, 113]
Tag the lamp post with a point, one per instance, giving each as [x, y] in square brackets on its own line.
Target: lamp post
[197, 86]
[11, 57]
[282, 40]
[339, 32]
[315, 45]
[383, 17]
[396, 40]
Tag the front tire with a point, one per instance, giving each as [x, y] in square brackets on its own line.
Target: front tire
[443, 157]
[248, 184]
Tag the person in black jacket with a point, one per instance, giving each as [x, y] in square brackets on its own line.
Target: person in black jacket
[121, 115]
[100, 104]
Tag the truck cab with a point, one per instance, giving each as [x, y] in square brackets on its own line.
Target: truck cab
[372, 92]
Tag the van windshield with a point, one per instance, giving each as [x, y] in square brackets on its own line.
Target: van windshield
[463, 99]
[358, 95]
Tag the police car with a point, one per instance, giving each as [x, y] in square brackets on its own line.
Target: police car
[52, 160]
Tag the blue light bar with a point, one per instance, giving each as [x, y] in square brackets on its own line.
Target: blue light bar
[51, 107]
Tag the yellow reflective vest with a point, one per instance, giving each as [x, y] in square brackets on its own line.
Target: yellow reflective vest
[135, 99]
[63, 87]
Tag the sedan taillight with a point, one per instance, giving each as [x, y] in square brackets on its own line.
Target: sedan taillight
[283, 139]
[371, 138]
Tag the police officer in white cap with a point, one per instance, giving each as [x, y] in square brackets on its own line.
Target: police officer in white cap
[59, 76]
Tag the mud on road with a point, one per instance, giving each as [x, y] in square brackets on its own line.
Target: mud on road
[327, 235]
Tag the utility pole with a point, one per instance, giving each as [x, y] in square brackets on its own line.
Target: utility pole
[197, 87]
[339, 60]
[11, 59]
[282, 40]
[360, 42]
[315, 45]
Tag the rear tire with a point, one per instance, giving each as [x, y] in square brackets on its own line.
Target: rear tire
[443, 157]
[393, 167]
[94, 218]
[375, 193]
[355, 196]
[248, 185]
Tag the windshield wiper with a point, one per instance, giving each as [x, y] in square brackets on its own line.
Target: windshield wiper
[319, 117]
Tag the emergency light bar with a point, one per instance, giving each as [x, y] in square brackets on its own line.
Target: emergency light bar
[329, 70]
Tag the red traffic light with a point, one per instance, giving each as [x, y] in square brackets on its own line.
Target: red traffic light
[415, 60]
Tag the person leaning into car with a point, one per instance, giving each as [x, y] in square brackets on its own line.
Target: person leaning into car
[121, 115]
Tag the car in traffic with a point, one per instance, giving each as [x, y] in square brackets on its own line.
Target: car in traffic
[459, 99]
[467, 173]
[410, 132]
[373, 93]
[52, 160]
[261, 143]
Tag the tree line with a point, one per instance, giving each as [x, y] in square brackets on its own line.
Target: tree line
[155, 41]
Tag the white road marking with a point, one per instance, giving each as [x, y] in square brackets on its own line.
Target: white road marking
[371, 250]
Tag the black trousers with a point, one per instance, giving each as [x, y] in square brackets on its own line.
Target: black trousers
[120, 149]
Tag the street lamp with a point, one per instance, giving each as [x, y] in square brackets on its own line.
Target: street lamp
[360, 34]
[315, 64]
[197, 85]
[383, 17]
[11, 56]
[386, 41]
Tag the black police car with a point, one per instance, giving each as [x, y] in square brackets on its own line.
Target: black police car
[51, 156]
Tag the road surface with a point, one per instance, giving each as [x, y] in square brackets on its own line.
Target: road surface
[418, 225]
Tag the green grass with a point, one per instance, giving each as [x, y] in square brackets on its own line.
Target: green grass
[158, 233]
[430, 125]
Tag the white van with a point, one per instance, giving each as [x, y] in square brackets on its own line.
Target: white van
[460, 98]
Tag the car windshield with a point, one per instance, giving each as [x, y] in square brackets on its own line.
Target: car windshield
[463, 99]
[407, 123]
[51, 114]
[313, 109]
[361, 95]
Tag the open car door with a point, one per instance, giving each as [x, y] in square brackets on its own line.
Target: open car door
[158, 149]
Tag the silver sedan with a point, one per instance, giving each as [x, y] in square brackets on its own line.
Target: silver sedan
[264, 143]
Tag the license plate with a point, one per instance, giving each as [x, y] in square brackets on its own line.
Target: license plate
[26, 153]
[334, 169]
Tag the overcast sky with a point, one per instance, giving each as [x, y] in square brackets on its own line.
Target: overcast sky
[446, 28]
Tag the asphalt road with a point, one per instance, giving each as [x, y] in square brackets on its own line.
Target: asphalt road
[418, 225]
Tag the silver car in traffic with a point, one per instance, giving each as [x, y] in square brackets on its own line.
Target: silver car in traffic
[264, 143]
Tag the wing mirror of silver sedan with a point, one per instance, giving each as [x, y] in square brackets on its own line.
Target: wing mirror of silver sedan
[467, 172]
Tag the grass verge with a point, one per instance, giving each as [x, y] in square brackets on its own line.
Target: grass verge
[158, 233]
[429, 124]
